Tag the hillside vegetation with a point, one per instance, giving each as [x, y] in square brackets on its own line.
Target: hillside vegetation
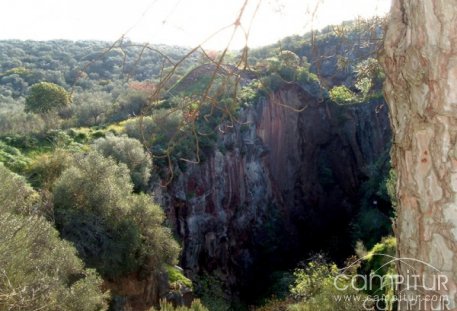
[86, 128]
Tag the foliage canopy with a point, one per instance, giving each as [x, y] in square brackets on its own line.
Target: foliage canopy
[45, 96]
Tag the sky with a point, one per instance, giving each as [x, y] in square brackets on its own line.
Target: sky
[177, 22]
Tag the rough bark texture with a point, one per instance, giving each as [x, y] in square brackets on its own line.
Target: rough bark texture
[420, 60]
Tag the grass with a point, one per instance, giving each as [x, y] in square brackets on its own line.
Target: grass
[17, 152]
[13, 158]
[176, 276]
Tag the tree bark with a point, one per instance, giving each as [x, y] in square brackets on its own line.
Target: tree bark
[420, 62]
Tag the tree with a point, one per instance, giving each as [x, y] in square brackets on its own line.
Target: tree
[92, 108]
[419, 59]
[45, 96]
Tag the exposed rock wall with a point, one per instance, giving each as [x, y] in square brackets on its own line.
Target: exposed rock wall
[135, 292]
[319, 158]
[286, 180]
[218, 206]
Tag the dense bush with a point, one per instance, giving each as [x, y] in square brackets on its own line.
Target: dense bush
[45, 168]
[16, 121]
[317, 287]
[114, 230]
[156, 131]
[379, 260]
[94, 184]
[37, 269]
[212, 292]
[16, 196]
[129, 151]
[287, 68]
[157, 244]
[111, 246]
[342, 95]
[163, 134]
[13, 157]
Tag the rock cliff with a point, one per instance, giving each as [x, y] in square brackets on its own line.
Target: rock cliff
[281, 184]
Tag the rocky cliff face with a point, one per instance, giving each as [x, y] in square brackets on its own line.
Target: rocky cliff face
[280, 185]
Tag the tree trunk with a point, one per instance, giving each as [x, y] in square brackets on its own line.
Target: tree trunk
[420, 61]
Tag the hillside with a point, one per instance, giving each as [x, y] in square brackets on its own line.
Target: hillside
[177, 174]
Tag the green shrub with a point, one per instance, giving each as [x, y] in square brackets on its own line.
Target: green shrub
[381, 254]
[157, 244]
[41, 272]
[58, 137]
[175, 276]
[79, 136]
[167, 134]
[304, 76]
[22, 142]
[157, 131]
[317, 287]
[380, 262]
[16, 196]
[114, 230]
[129, 151]
[95, 184]
[111, 246]
[211, 292]
[38, 270]
[250, 92]
[98, 134]
[13, 158]
[45, 168]
[129, 104]
[342, 95]
[272, 82]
